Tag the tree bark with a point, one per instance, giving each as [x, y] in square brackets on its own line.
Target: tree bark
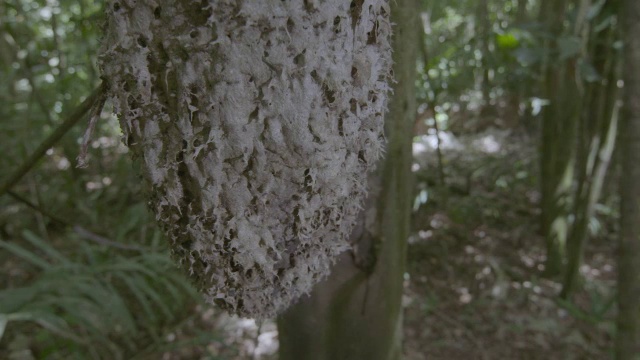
[356, 313]
[628, 340]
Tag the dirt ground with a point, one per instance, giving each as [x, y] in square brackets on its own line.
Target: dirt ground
[475, 287]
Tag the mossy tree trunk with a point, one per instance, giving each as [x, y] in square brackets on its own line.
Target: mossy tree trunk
[628, 341]
[356, 313]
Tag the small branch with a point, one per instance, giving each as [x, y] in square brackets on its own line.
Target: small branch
[103, 240]
[72, 120]
[37, 208]
[443, 182]
[432, 106]
[77, 228]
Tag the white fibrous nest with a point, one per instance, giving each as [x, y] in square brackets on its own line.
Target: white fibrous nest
[256, 123]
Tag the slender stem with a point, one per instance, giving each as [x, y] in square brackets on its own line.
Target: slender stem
[439, 150]
[37, 208]
[83, 232]
[59, 132]
[432, 106]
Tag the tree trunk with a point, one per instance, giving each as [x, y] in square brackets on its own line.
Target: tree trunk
[596, 141]
[483, 34]
[559, 120]
[356, 313]
[628, 340]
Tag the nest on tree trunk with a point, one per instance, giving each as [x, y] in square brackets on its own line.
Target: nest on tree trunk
[256, 123]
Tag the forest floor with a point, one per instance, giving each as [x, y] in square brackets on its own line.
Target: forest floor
[475, 288]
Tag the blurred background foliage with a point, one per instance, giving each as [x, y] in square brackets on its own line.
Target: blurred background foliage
[86, 273]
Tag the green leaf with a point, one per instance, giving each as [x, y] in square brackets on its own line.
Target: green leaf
[56, 325]
[155, 296]
[43, 246]
[595, 9]
[604, 24]
[12, 300]
[132, 285]
[25, 254]
[507, 41]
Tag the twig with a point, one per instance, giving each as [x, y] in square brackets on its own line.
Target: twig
[77, 228]
[256, 340]
[73, 119]
[432, 105]
[37, 208]
[102, 240]
[443, 182]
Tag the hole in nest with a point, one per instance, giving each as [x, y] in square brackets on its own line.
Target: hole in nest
[254, 114]
[336, 24]
[299, 59]
[361, 156]
[372, 36]
[142, 41]
[235, 267]
[329, 94]
[220, 302]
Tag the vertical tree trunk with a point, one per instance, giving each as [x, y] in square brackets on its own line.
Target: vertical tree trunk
[596, 141]
[524, 84]
[483, 34]
[559, 120]
[356, 313]
[521, 12]
[628, 341]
